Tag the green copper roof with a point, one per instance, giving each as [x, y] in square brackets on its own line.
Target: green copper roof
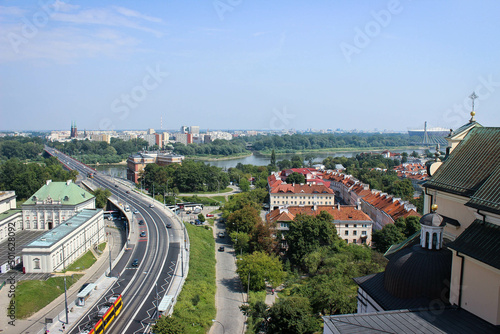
[470, 165]
[67, 193]
[488, 196]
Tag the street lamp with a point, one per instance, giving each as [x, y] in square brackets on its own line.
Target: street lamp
[223, 329]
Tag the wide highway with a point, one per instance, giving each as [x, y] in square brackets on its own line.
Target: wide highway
[142, 286]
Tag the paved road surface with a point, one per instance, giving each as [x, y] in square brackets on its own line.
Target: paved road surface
[230, 295]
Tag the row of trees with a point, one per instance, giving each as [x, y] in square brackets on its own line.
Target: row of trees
[392, 234]
[190, 177]
[292, 143]
[23, 148]
[26, 178]
[99, 151]
[217, 147]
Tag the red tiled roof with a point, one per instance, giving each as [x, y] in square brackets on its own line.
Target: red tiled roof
[301, 188]
[345, 213]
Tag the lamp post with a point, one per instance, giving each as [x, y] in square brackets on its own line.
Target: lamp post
[223, 329]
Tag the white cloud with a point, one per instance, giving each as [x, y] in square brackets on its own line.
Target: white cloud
[132, 13]
[68, 32]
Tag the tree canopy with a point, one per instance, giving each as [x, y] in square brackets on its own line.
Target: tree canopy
[258, 268]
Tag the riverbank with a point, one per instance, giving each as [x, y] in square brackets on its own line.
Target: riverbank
[121, 163]
[268, 153]
[217, 158]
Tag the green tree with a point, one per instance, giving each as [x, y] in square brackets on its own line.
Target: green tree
[284, 164]
[244, 185]
[240, 240]
[297, 161]
[201, 217]
[295, 178]
[243, 220]
[292, 315]
[402, 188]
[386, 237]
[258, 268]
[273, 158]
[101, 197]
[169, 325]
[308, 233]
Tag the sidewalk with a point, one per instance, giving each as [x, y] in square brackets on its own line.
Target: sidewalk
[56, 310]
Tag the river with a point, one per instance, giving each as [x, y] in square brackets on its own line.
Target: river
[256, 159]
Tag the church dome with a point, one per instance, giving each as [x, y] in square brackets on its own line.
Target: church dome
[432, 219]
[417, 272]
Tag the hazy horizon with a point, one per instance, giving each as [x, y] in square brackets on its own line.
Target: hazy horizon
[248, 65]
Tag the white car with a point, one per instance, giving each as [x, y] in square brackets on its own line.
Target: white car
[151, 205]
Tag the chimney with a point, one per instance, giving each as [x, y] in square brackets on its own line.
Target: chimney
[338, 206]
[358, 205]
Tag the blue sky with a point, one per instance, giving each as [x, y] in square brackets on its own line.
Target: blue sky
[239, 64]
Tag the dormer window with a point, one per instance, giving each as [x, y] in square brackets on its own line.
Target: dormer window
[66, 198]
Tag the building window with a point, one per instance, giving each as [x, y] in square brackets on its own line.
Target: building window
[354, 232]
[346, 225]
[346, 232]
[363, 232]
[36, 263]
[363, 241]
[353, 241]
[355, 225]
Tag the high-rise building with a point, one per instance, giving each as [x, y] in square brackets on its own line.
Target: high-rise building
[184, 129]
[194, 129]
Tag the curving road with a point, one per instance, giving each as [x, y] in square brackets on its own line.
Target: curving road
[142, 287]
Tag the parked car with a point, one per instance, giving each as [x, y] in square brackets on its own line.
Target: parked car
[221, 235]
[141, 222]
[221, 248]
[135, 263]
[209, 215]
[143, 234]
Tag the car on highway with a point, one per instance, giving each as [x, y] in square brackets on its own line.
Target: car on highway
[143, 234]
[141, 222]
[136, 211]
[116, 186]
[221, 248]
[151, 205]
[128, 192]
[135, 263]
[168, 225]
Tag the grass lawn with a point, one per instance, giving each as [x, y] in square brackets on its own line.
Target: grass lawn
[84, 262]
[221, 199]
[221, 191]
[45, 292]
[102, 246]
[196, 304]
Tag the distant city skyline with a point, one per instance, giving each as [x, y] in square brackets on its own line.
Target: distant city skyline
[249, 65]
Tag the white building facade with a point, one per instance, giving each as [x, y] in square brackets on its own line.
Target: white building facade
[58, 248]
